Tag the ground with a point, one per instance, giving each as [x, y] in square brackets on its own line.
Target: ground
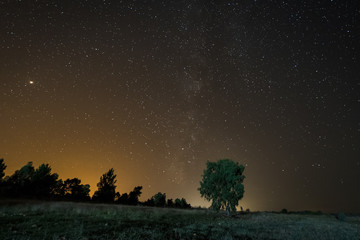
[65, 220]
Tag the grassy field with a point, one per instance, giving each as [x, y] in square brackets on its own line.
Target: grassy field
[59, 220]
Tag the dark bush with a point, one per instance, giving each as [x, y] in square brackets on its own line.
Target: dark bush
[341, 217]
[284, 210]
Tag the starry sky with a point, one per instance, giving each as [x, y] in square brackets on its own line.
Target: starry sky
[156, 88]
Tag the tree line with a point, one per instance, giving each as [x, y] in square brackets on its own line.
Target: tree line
[222, 184]
[40, 183]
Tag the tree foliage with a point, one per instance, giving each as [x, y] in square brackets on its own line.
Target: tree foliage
[106, 188]
[149, 202]
[181, 203]
[2, 169]
[123, 198]
[30, 182]
[75, 191]
[41, 183]
[159, 199]
[20, 183]
[44, 182]
[134, 195]
[170, 203]
[132, 198]
[222, 183]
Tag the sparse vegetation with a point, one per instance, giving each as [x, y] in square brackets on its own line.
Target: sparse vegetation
[340, 217]
[65, 220]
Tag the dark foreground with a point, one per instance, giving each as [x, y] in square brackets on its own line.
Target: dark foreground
[54, 220]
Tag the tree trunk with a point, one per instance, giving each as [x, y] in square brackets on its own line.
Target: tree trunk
[227, 209]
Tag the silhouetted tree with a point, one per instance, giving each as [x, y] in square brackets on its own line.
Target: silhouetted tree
[59, 190]
[123, 199]
[181, 203]
[159, 199]
[106, 188]
[284, 210]
[117, 195]
[44, 182]
[28, 182]
[20, 183]
[222, 183]
[3, 188]
[170, 203]
[134, 196]
[149, 202]
[75, 191]
[2, 169]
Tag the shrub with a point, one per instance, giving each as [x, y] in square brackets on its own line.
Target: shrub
[341, 217]
[284, 210]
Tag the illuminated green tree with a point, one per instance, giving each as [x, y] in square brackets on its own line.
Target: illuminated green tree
[222, 183]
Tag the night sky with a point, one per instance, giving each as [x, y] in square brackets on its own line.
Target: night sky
[155, 89]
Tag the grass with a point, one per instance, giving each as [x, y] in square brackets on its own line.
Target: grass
[64, 220]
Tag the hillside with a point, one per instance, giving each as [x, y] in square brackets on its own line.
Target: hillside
[64, 220]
